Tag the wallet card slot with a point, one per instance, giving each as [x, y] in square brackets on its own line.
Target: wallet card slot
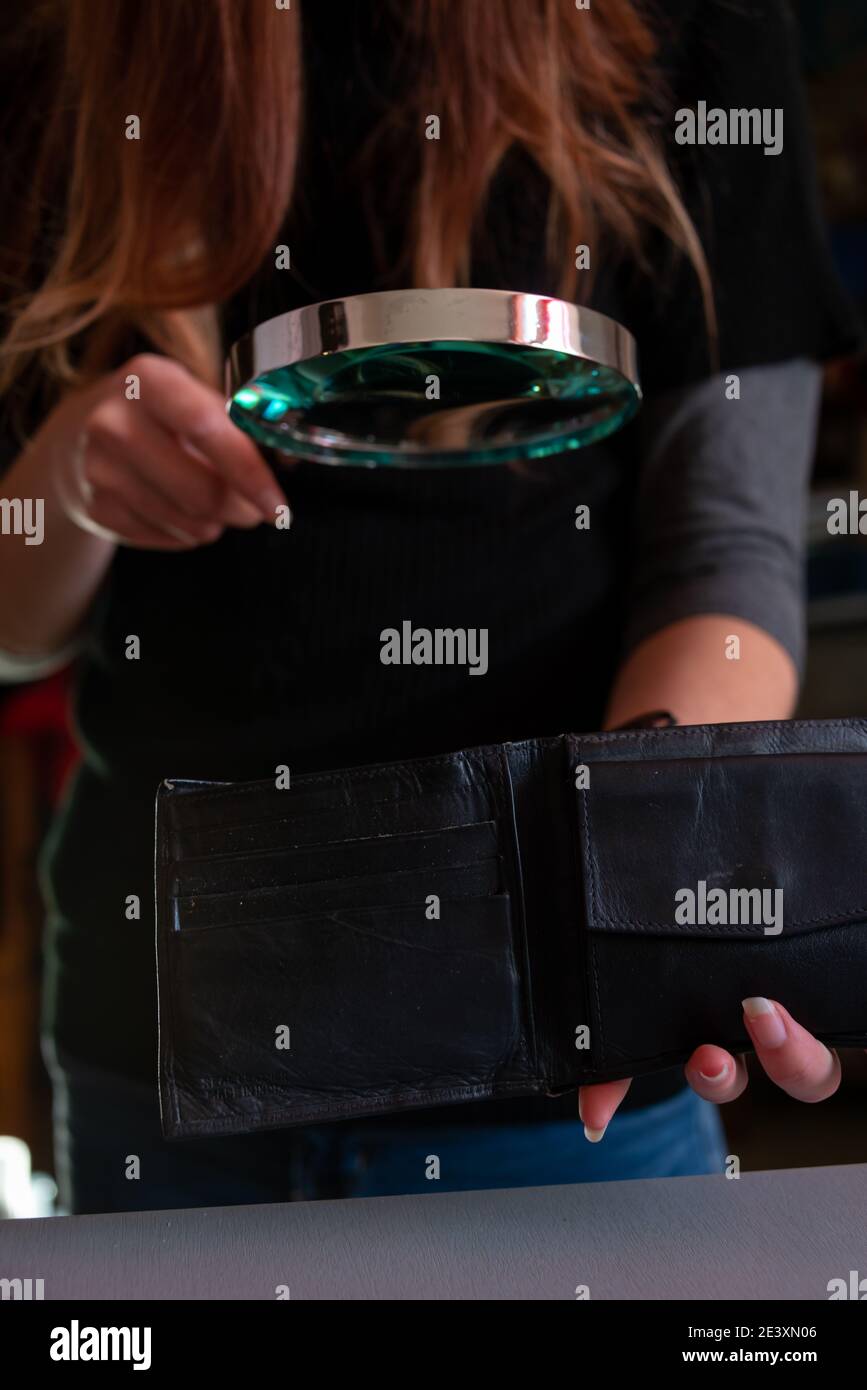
[337, 859]
[326, 824]
[402, 888]
[386, 799]
[380, 1009]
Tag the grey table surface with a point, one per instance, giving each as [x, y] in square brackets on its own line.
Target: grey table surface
[764, 1236]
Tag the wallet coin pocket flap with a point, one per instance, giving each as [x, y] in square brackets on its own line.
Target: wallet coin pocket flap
[732, 847]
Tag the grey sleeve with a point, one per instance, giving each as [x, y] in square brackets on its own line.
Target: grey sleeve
[721, 514]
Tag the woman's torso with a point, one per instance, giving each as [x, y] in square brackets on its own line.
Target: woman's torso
[265, 648]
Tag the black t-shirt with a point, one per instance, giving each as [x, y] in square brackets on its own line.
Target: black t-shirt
[264, 649]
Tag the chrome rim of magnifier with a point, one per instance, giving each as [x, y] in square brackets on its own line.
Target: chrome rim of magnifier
[438, 316]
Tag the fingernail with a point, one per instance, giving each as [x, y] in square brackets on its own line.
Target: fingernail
[768, 1028]
[594, 1135]
[714, 1078]
[242, 513]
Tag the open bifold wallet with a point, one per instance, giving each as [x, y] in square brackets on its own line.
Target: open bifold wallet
[512, 920]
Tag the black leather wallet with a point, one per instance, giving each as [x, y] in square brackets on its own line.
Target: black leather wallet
[510, 920]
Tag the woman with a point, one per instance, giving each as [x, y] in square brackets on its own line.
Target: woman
[178, 151]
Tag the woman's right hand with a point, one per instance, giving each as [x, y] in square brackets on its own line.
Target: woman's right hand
[165, 470]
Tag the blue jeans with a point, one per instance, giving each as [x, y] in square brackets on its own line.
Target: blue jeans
[104, 1123]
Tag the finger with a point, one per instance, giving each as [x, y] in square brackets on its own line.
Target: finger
[235, 510]
[716, 1075]
[232, 509]
[183, 475]
[130, 435]
[114, 522]
[196, 412]
[135, 494]
[597, 1104]
[186, 482]
[801, 1065]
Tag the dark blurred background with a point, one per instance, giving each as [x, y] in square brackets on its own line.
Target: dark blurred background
[765, 1128]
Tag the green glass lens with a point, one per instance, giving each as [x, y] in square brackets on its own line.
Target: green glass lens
[434, 405]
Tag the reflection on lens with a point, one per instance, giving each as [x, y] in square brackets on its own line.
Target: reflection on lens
[445, 404]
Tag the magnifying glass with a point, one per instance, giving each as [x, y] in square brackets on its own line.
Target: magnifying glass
[433, 379]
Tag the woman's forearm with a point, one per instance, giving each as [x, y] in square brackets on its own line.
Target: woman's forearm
[707, 669]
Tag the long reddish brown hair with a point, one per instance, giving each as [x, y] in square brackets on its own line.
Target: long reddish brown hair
[110, 235]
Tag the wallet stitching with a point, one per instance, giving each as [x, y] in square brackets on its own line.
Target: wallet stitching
[673, 928]
[590, 855]
[629, 735]
[598, 995]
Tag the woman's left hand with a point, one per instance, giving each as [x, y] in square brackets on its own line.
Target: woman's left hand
[797, 1062]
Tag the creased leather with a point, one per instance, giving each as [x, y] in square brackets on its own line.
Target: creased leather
[502, 921]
